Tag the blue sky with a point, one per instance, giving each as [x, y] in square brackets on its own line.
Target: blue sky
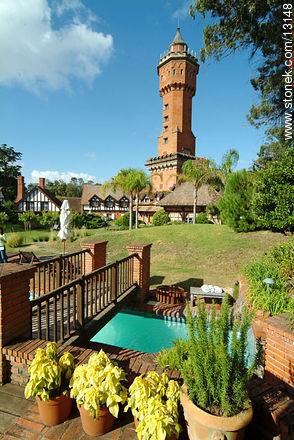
[79, 88]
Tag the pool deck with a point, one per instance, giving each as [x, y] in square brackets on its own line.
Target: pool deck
[19, 418]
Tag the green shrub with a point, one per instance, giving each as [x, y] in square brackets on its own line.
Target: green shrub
[124, 221]
[236, 204]
[277, 264]
[202, 219]
[3, 218]
[77, 219]
[46, 237]
[14, 240]
[94, 221]
[160, 218]
[214, 365]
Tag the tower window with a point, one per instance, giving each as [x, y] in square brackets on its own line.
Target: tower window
[165, 118]
[165, 140]
[165, 128]
[181, 71]
[180, 86]
[161, 77]
[174, 71]
[169, 73]
[165, 107]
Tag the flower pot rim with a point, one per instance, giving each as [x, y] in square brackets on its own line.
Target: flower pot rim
[233, 423]
[54, 399]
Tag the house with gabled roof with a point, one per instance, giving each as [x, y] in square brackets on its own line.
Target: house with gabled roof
[41, 199]
[108, 203]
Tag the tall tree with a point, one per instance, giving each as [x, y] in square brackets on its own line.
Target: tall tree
[9, 170]
[256, 26]
[199, 173]
[274, 199]
[229, 162]
[273, 149]
[125, 180]
[141, 181]
[236, 206]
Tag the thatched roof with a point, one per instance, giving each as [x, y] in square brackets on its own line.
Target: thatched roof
[90, 191]
[183, 195]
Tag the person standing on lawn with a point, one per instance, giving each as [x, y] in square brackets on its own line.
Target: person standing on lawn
[3, 241]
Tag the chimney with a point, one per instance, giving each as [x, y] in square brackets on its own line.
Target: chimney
[20, 188]
[42, 182]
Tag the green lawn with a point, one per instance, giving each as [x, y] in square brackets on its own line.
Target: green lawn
[212, 254]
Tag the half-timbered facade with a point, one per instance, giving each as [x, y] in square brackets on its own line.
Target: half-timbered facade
[110, 204]
[37, 200]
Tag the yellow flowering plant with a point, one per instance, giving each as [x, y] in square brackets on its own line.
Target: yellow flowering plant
[98, 383]
[49, 374]
[153, 400]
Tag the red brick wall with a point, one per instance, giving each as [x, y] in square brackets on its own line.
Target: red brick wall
[96, 258]
[141, 271]
[15, 310]
[279, 343]
[279, 351]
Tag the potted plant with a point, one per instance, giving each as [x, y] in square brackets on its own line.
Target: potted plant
[97, 388]
[153, 400]
[216, 371]
[49, 383]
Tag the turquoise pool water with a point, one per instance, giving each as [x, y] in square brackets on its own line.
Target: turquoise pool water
[144, 332]
[140, 332]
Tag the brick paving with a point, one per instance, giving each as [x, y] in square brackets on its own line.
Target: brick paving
[29, 426]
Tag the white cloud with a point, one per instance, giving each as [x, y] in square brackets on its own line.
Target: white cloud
[56, 175]
[91, 156]
[38, 56]
[183, 11]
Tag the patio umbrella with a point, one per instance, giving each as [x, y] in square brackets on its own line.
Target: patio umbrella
[64, 220]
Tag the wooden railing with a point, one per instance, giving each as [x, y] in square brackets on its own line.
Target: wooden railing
[58, 314]
[51, 274]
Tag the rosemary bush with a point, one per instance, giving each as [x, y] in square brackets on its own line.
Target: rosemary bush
[213, 364]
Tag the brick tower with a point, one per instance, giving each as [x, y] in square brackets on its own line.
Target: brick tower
[177, 71]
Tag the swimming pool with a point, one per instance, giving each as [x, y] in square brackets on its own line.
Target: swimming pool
[147, 332]
[142, 332]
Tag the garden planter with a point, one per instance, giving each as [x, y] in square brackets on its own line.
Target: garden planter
[173, 437]
[96, 427]
[56, 410]
[204, 426]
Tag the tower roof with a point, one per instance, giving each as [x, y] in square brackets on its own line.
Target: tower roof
[178, 38]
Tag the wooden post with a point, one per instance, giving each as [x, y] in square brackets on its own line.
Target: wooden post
[114, 282]
[81, 301]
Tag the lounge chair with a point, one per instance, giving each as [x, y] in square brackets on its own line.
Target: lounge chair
[27, 258]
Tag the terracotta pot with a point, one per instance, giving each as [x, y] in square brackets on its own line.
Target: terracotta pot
[173, 437]
[96, 427]
[56, 410]
[204, 426]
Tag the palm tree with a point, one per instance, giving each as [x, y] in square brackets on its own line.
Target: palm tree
[142, 181]
[199, 173]
[130, 181]
[229, 162]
